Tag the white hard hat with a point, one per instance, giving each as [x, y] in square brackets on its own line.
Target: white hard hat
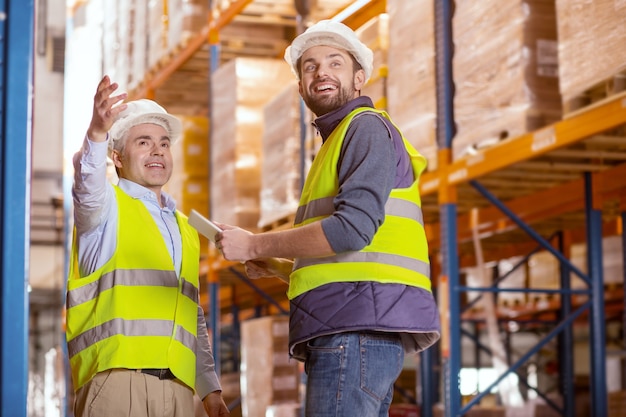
[143, 111]
[330, 33]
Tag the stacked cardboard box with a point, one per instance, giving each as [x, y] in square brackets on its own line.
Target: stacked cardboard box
[268, 375]
[617, 404]
[375, 34]
[116, 24]
[189, 183]
[592, 35]
[504, 69]
[147, 33]
[283, 150]
[242, 88]
[185, 18]
[411, 88]
[612, 263]
[514, 279]
[544, 268]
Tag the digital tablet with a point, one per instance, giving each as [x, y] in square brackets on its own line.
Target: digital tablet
[203, 225]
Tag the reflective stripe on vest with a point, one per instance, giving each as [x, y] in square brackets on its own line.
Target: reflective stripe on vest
[323, 207]
[129, 328]
[124, 315]
[125, 277]
[398, 252]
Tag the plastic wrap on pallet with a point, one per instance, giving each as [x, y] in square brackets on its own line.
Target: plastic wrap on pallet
[375, 34]
[411, 88]
[189, 183]
[280, 171]
[137, 50]
[504, 69]
[241, 89]
[612, 261]
[268, 375]
[592, 35]
[185, 18]
[115, 41]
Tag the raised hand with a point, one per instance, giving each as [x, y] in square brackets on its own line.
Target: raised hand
[104, 113]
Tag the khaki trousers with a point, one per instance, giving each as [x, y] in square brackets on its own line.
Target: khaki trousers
[129, 393]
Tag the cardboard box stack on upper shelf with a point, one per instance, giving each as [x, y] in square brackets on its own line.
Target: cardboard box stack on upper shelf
[504, 69]
[242, 88]
[137, 36]
[592, 56]
[375, 34]
[411, 89]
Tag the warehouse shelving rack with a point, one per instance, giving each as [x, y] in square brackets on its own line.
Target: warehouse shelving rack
[582, 146]
[566, 178]
[569, 177]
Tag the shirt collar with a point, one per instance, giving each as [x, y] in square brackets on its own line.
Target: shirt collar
[142, 193]
[327, 123]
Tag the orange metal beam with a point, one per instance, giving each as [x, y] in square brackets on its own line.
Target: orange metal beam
[600, 118]
[220, 19]
[552, 202]
[359, 12]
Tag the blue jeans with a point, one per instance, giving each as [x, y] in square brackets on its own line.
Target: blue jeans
[352, 374]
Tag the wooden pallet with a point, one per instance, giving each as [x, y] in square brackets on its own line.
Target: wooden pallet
[597, 94]
[281, 223]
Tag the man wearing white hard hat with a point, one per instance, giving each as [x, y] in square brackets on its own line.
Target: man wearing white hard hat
[359, 287]
[136, 335]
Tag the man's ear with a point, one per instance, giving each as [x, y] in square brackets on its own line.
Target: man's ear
[117, 158]
[359, 80]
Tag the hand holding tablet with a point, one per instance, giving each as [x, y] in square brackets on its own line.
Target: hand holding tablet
[203, 225]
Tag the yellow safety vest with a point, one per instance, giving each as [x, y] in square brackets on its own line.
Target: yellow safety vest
[133, 312]
[398, 252]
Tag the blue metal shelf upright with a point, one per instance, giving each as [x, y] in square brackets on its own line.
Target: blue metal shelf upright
[16, 48]
[585, 195]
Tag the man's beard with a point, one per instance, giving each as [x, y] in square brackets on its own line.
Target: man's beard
[322, 105]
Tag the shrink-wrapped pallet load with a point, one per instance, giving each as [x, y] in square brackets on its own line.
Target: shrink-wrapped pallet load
[138, 43]
[241, 89]
[592, 55]
[115, 40]
[156, 32]
[189, 183]
[411, 87]
[285, 160]
[504, 70]
[375, 34]
[185, 18]
[268, 375]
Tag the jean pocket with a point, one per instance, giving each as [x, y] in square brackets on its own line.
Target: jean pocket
[381, 359]
[326, 352]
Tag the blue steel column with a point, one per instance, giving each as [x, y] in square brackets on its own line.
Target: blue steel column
[214, 285]
[16, 48]
[597, 324]
[426, 377]
[451, 359]
[566, 340]
[451, 354]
